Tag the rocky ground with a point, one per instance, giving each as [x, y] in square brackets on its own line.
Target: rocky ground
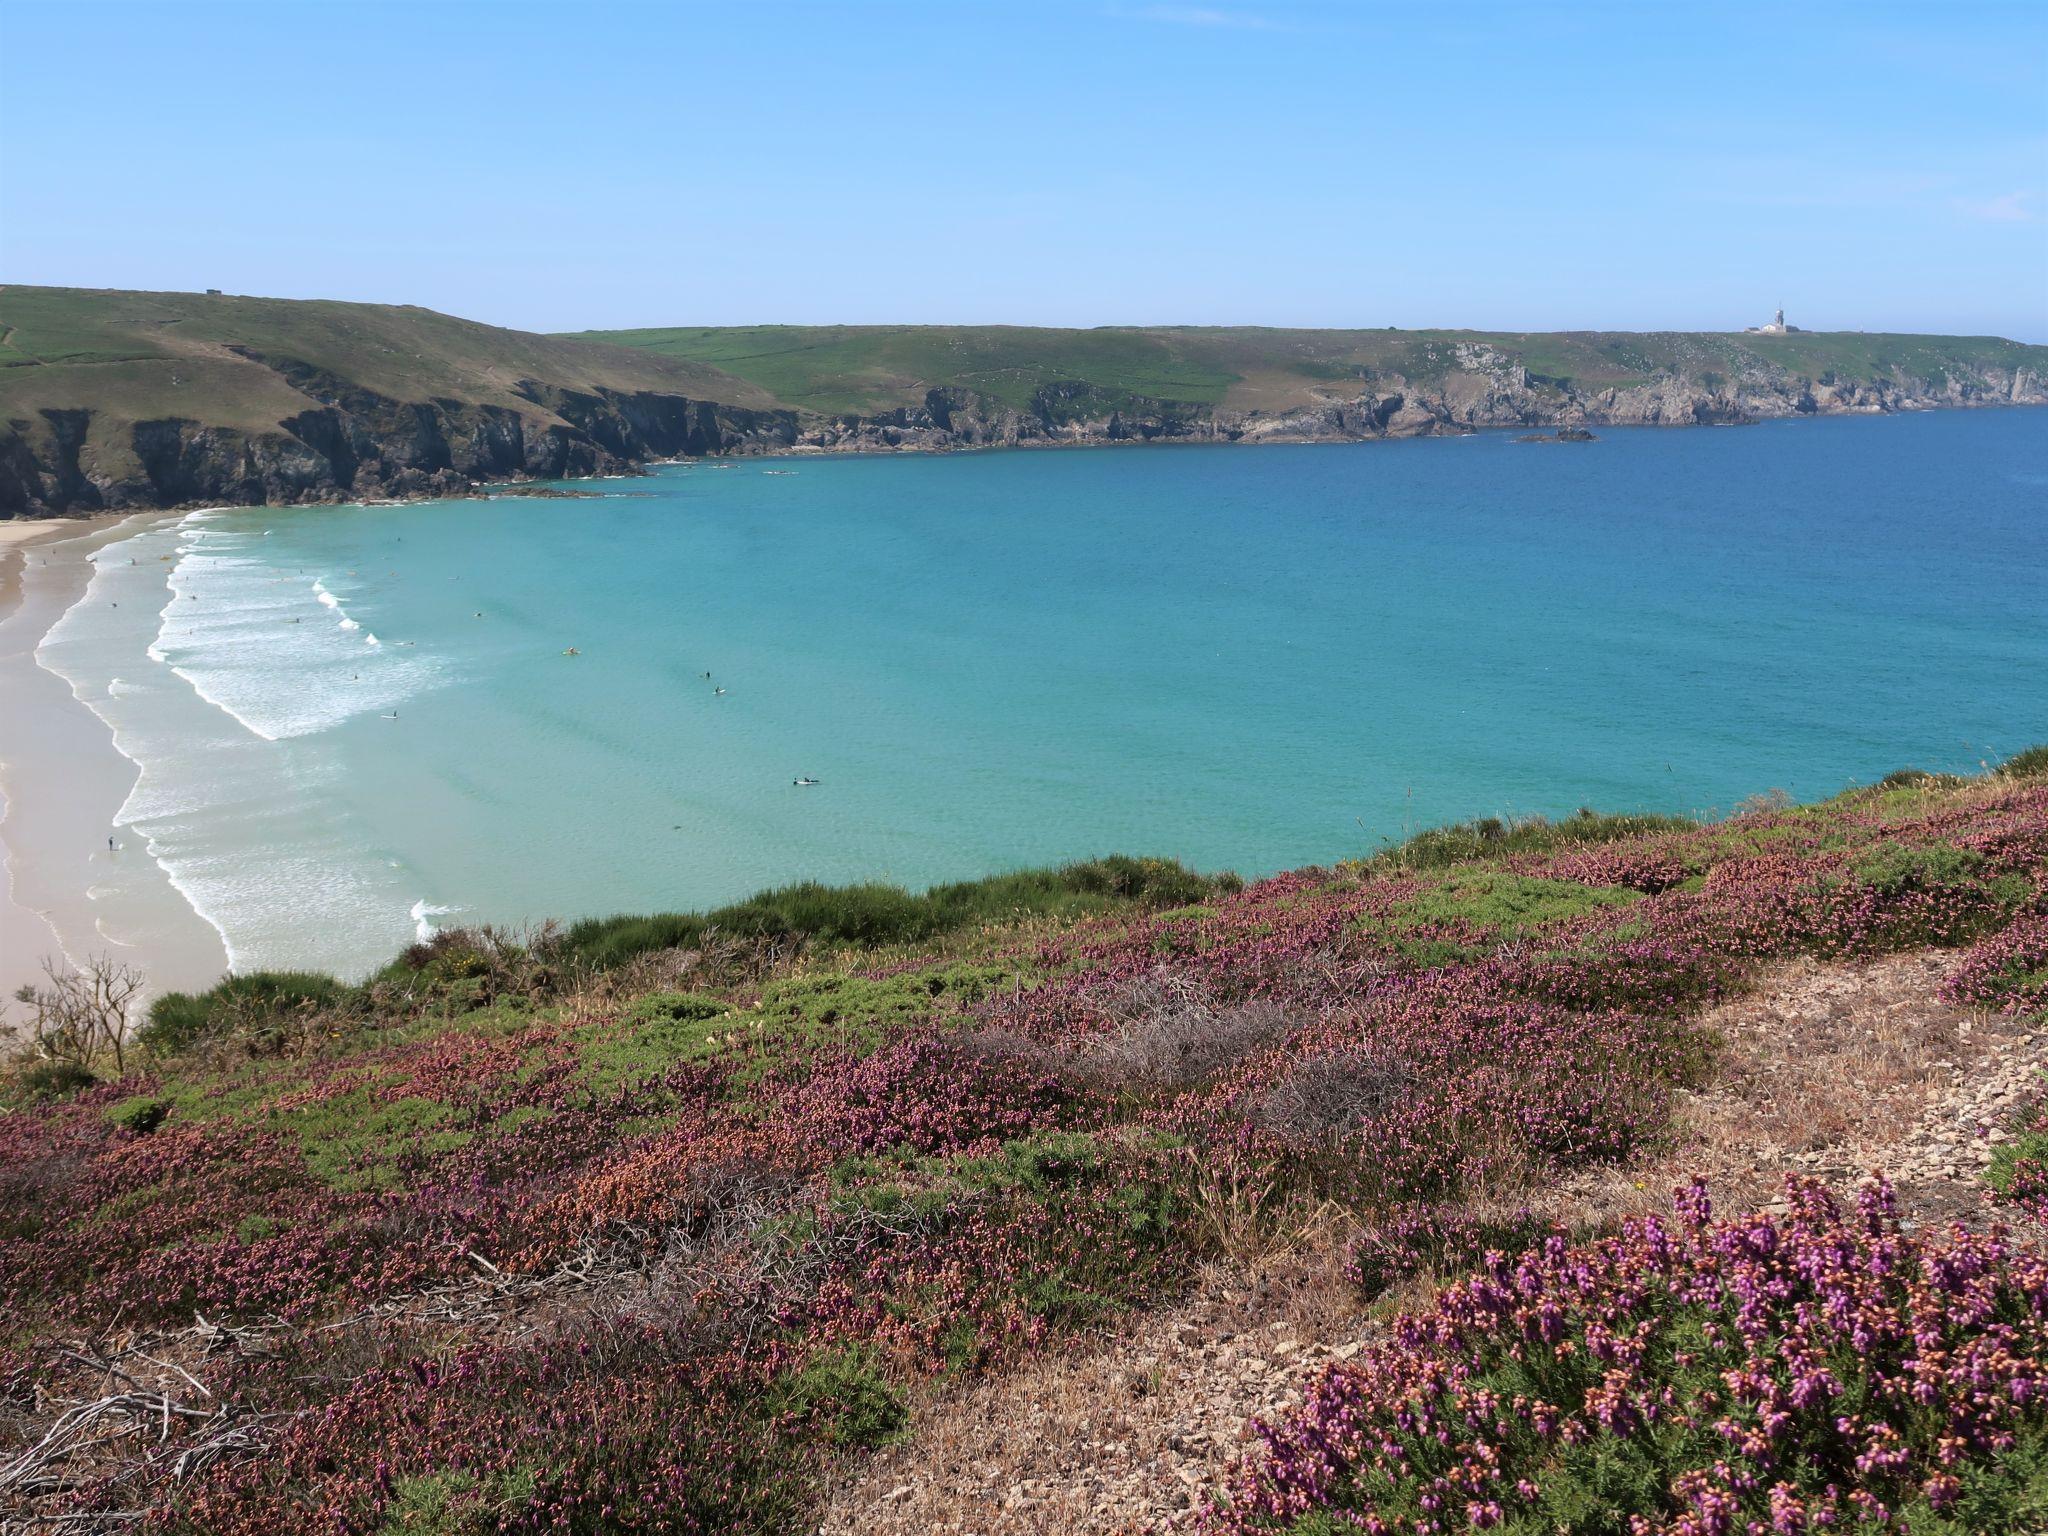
[1828, 1071]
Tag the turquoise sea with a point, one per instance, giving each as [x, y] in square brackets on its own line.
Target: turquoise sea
[355, 723]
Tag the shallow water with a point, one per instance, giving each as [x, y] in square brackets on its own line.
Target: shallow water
[352, 722]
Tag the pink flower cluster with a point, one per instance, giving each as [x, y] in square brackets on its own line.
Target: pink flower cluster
[792, 1191]
[1688, 1377]
[2008, 971]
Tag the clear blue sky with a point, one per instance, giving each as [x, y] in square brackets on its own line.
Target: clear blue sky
[555, 166]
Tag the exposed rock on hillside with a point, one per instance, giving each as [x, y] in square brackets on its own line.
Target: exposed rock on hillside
[356, 446]
[114, 401]
[1488, 396]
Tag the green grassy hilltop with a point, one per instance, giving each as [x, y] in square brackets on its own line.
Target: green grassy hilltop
[867, 369]
[212, 357]
[113, 400]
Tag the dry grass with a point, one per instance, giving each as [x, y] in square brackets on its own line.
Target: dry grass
[1827, 1070]
[1124, 1434]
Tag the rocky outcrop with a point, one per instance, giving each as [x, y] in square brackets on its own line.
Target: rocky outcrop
[352, 444]
[1486, 389]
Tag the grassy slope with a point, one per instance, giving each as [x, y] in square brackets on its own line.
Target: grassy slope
[865, 369]
[142, 356]
[928, 1207]
[145, 356]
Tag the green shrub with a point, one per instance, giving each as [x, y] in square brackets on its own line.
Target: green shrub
[1491, 838]
[676, 1008]
[1894, 869]
[2029, 764]
[178, 1020]
[141, 1114]
[1508, 906]
[455, 1503]
[1037, 1163]
[875, 915]
[45, 1082]
[845, 1397]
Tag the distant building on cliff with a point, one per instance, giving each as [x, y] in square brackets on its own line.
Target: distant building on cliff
[1777, 327]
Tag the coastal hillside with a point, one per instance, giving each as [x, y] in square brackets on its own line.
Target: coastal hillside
[1607, 1174]
[113, 400]
[938, 386]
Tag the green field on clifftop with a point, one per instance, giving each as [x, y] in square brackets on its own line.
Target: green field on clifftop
[869, 369]
[211, 358]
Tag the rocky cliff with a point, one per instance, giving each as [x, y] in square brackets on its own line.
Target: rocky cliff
[1488, 389]
[113, 401]
[355, 446]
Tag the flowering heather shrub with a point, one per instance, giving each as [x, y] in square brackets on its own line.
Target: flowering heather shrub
[618, 1260]
[2020, 1170]
[1691, 1377]
[1412, 1241]
[924, 1095]
[2008, 971]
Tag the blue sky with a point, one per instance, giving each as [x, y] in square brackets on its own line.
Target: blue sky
[554, 166]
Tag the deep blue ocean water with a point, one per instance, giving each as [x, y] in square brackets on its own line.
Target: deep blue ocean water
[1247, 657]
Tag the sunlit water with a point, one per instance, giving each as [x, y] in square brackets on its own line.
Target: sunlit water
[353, 723]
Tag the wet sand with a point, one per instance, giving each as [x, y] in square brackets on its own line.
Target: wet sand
[68, 895]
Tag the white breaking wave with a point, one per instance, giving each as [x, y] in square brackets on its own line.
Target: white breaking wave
[247, 640]
[423, 914]
[252, 830]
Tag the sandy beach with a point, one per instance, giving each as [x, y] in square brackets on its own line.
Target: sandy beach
[69, 893]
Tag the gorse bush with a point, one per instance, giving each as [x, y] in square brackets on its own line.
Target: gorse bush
[877, 915]
[1492, 837]
[44, 1082]
[178, 1020]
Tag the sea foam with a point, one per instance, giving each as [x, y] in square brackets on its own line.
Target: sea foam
[237, 798]
[249, 643]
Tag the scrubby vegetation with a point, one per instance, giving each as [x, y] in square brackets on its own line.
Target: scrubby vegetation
[645, 1223]
[872, 915]
[1820, 1370]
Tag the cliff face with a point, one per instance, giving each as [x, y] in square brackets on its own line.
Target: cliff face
[1488, 390]
[351, 443]
[356, 445]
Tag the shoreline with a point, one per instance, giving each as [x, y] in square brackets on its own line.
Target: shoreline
[65, 894]
[495, 487]
[67, 784]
